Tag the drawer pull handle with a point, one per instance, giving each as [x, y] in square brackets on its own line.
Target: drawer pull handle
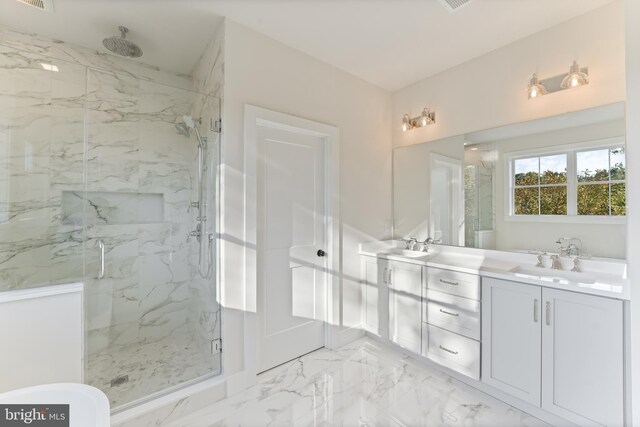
[535, 310]
[447, 350]
[448, 282]
[449, 313]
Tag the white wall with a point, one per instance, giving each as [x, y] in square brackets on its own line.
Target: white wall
[605, 240]
[490, 90]
[632, 44]
[262, 72]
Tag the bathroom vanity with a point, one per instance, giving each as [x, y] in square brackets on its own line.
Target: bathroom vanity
[533, 336]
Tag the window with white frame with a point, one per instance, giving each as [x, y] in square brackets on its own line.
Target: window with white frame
[585, 181]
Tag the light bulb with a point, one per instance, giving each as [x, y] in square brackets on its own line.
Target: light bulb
[424, 117]
[535, 88]
[576, 77]
[406, 125]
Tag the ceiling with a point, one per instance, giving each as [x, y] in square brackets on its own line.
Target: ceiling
[391, 43]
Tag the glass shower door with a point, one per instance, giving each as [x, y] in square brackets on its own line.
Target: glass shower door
[152, 318]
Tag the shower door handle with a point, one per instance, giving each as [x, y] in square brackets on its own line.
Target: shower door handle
[101, 247]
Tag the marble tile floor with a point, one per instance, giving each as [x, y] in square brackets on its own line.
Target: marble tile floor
[362, 384]
[151, 366]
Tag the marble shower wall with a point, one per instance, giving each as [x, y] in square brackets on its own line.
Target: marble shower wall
[126, 178]
[41, 155]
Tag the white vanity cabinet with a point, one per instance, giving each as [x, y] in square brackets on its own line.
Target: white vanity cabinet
[375, 296]
[511, 328]
[583, 358]
[404, 282]
[451, 334]
[560, 350]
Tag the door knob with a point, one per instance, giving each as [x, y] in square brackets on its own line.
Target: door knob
[321, 253]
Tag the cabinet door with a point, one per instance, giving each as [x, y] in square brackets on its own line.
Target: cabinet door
[582, 358]
[375, 295]
[511, 334]
[405, 305]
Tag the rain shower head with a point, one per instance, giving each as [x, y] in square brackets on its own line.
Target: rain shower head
[121, 46]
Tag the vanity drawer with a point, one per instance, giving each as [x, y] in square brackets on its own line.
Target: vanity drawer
[455, 319]
[454, 351]
[452, 282]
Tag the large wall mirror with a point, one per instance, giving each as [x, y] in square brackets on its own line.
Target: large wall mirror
[519, 187]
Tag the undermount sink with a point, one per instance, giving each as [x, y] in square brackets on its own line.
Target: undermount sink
[405, 253]
[554, 276]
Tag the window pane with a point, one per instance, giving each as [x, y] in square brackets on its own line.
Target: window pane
[553, 200]
[526, 171]
[526, 201]
[618, 200]
[618, 164]
[593, 165]
[593, 199]
[553, 169]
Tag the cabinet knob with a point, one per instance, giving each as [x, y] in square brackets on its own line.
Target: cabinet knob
[321, 253]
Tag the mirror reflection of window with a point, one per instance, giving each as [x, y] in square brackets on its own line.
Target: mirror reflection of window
[540, 185]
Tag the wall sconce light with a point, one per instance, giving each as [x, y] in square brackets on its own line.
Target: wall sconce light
[535, 88]
[576, 77]
[427, 117]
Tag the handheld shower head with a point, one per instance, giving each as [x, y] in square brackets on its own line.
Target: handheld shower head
[187, 123]
[182, 129]
[188, 120]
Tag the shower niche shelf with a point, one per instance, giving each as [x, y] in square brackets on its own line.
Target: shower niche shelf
[104, 208]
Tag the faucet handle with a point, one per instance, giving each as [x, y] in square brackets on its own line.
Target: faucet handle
[576, 265]
[555, 262]
[540, 256]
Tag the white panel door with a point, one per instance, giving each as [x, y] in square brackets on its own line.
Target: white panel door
[582, 358]
[291, 231]
[446, 205]
[405, 305]
[511, 334]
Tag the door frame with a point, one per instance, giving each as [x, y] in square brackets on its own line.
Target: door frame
[253, 117]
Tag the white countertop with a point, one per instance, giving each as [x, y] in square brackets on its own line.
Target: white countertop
[600, 276]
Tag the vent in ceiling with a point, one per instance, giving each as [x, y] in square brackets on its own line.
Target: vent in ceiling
[454, 5]
[45, 5]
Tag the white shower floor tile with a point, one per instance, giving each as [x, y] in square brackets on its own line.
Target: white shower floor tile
[151, 367]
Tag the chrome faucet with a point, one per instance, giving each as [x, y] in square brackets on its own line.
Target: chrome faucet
[571, 249]
[426, 243]
[411, 243]
[555, 262]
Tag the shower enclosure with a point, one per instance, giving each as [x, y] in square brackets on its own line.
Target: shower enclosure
[479, 197]
[103, 180]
